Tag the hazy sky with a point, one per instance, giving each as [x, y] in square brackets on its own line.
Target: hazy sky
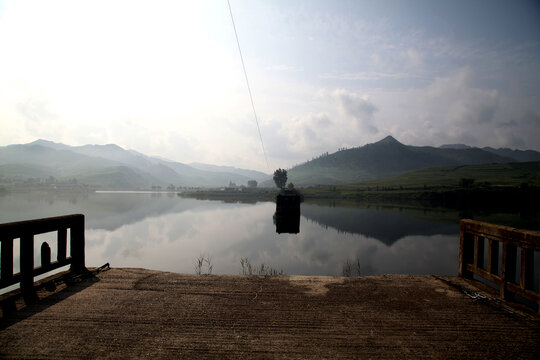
[165, 77]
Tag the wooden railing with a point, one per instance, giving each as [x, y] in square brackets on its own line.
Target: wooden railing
[500, 266]
[25, 231]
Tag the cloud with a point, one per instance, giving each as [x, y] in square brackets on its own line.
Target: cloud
[366, 76]
[308, 134]
[459, 101]
[454, 109]
[281, 68]
[414, 57]
[360, 108]
[39, 119]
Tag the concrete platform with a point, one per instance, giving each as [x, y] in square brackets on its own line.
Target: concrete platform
[137, 313]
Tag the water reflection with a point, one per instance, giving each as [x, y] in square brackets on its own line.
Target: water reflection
[287, 215]
[169, 233]
[388, 226]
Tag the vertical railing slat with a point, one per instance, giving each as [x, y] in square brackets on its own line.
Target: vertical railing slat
[510, 267]
[27, 267]
[503, 270]
[7, 259]
[466, 252]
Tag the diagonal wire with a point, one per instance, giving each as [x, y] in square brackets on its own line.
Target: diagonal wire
[249, 88]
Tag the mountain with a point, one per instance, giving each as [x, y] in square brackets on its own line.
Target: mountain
[252, 174]
[517, 155]
[455, 146]
[385, 158]
[105, 166]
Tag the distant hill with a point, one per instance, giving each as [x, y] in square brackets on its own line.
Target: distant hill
[385, 158]
[516, 155]
[515, 173]
[255, 175]
[106, 167]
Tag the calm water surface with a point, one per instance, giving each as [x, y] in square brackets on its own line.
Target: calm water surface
[166, 232]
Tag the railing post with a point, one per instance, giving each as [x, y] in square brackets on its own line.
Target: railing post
[508, 271]
[77, 245]
[62, 244]
[27, 268]
[466, 251]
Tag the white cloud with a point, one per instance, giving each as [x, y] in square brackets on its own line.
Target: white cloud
[414, 57]
[166, 79]
[367, 75]
[281, 68]
[452, 109]
[360, 108]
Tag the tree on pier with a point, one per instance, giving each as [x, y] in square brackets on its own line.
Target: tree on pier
[280, 178]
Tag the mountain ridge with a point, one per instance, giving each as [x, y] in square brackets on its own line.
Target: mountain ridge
[105, 166]
[389, 157]
[112, 167]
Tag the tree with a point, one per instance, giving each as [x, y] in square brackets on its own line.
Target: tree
[252, 183]
[467, 183]
[280, 178]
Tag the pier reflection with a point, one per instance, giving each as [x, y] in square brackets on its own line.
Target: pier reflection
[287, 215]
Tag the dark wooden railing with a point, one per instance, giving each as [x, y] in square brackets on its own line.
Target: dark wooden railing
[500, 270]
[25, 231]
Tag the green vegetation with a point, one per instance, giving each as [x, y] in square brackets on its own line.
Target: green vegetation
[512, 184]
[510, 174]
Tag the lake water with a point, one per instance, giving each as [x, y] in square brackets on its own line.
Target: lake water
[167, 232]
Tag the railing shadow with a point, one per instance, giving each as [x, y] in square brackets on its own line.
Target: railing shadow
[45, 297]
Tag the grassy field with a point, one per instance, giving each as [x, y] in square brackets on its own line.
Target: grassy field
[445, 178]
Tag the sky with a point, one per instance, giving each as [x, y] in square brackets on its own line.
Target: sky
[165, 78]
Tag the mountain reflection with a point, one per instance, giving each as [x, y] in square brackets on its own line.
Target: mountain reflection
[386, 226]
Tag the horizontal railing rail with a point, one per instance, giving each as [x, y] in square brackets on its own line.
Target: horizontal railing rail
[25, 232]
[500, 264]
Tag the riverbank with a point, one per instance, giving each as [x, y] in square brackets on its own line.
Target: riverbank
[503, 198]
[137, 313]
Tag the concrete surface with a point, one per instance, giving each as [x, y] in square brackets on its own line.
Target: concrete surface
[137, 313]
